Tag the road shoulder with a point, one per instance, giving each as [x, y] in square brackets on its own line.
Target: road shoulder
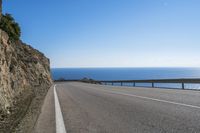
[46, 120]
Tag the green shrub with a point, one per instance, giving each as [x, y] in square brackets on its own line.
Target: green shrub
[9, 25]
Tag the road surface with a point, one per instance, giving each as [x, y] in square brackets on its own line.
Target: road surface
[89, 108]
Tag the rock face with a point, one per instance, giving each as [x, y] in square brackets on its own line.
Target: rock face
[24, 80]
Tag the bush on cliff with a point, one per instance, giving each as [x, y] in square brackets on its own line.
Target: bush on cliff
[9, 25]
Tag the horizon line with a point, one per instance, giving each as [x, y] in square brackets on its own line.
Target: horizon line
[126, 67]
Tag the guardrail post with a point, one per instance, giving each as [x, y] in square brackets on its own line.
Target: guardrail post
[152, 85]
[183, 86]
[134, 84]
[112, 83]
[121, 84]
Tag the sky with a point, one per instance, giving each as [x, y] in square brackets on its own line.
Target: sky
[111, 33]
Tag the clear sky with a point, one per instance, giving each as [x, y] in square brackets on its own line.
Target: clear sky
[111, 33]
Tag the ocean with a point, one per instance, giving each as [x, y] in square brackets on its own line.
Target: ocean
[129, 74]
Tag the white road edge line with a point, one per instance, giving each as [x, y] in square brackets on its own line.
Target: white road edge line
[60, 126]
[154, 99]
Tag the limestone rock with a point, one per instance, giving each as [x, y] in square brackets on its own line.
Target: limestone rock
[24, 76]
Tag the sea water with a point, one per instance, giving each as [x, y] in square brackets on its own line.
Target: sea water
[130, 74]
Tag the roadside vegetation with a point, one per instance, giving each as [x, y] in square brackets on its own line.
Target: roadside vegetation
[85, 80]
[9, 25]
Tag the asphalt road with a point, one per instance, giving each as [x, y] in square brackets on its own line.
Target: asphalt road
[88, 108]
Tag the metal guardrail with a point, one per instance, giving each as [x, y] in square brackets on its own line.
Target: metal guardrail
[153, 81]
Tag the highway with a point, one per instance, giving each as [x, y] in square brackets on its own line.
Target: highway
[90, 108]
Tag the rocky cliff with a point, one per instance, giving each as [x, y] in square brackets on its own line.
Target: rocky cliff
[24, 80]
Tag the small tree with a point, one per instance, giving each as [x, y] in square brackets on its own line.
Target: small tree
[9, 25]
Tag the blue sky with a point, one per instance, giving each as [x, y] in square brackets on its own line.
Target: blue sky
[111, 33]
